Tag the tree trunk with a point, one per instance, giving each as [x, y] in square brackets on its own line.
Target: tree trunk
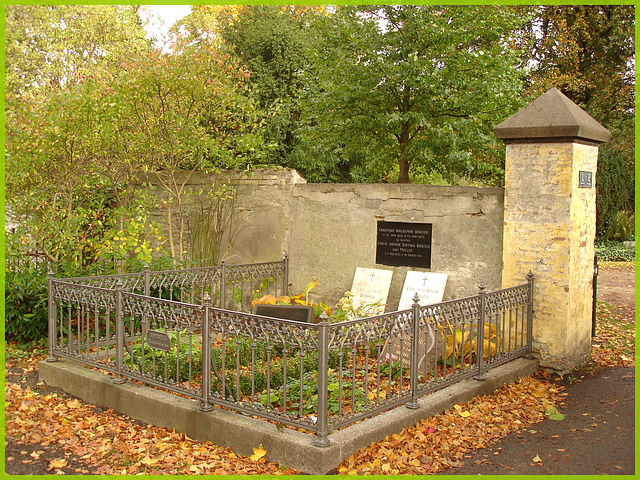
[172, 247]
[403, 162]
[403, 176]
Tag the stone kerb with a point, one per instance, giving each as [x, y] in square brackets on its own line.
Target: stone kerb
[549, 220]
[244, 433]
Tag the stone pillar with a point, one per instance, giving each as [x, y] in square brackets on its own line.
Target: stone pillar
[550, 221]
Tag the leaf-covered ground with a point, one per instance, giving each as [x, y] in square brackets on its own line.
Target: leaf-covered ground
[443, 441]
[614, 344]
[64, 435]
[50, 432]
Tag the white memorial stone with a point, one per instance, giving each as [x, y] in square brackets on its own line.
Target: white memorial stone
[430, 288]
[428, 285]
[370, 286]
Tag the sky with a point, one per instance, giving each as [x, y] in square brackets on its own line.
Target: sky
[168, 14]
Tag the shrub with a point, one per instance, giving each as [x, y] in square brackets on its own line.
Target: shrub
[613, 183]
[157, 361]
[623, 226]
[26, 292]
[82, 253]
[25, 303]
[612, 251]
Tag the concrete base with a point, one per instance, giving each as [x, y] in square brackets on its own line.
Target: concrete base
[289, 447]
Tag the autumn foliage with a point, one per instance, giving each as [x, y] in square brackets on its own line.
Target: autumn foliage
[93, 440]
[112, 444]
[442, 441]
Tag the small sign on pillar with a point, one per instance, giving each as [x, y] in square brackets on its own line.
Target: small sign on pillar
[585, 179]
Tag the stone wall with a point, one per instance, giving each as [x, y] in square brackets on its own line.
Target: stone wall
[328, 230]
[334, 228]
[261, 213]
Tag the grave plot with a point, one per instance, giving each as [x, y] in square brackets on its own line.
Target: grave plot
[318, 375]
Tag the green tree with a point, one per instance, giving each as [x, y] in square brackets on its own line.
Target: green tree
[393, 88]
[88, 140]
[81, 128]
[588, 52]
[62, 185]
[48, 47]
[54, 57]
[270, 42]
[188, 115]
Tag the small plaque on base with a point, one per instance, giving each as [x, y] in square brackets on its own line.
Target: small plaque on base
[159, 340]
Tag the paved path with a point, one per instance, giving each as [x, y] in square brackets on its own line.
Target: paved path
[596, 437]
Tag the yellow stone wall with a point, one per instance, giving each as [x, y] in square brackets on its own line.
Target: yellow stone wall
[549, 230]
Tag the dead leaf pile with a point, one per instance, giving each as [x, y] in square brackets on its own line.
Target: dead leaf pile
[442, 441]
[113, 444]
[614, 343]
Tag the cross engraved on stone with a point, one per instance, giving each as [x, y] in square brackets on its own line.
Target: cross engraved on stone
[373, 274]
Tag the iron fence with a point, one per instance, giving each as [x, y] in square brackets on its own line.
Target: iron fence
[203, 343]
[229, 286]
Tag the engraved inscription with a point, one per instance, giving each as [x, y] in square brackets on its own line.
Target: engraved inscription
[158, 340]
[404, 244]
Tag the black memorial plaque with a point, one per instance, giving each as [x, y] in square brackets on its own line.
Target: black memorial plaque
[403, 244]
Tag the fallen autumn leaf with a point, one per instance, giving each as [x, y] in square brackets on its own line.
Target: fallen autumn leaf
[258, 453]
[57, 463]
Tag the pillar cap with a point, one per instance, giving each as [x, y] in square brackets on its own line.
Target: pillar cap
[551, 117]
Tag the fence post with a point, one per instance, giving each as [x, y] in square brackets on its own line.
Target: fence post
[415, 345]
[529, 355]
[223, 284]
[147, 280]
[286, 274]
[119, 335]
[321, 439]
[480, 334]
[206, 355]
[51, 306]
[147, 293]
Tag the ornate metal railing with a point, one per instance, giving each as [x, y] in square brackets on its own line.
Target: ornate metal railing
[318, 377]
[229, 286]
